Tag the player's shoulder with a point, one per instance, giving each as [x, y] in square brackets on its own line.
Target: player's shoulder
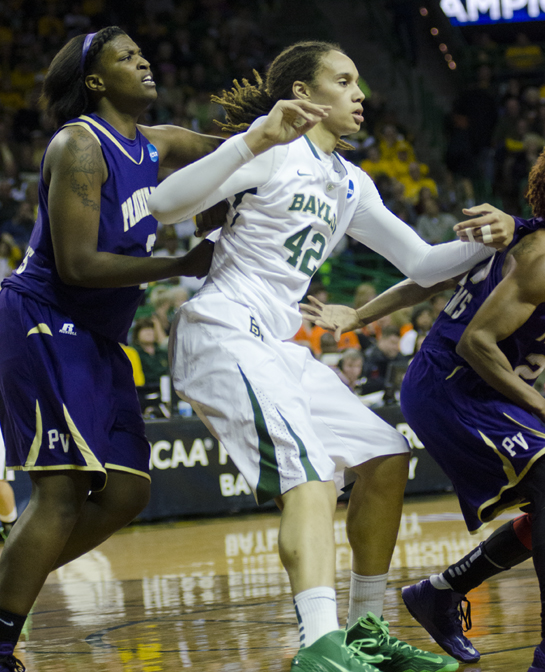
[526, 262]
[74, 145]
[531, 246]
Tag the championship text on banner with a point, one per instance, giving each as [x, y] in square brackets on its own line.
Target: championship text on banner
[475, 12]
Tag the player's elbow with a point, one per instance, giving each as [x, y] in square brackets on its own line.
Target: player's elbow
[157, 208]
[468, 344]
[69, 275]
[73, 272]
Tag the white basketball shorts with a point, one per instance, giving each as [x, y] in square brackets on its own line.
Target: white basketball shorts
[283, 417]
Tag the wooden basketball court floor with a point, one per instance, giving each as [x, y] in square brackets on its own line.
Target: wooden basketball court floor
[210, 595]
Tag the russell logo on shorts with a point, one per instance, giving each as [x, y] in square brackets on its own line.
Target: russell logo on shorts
[68, 328]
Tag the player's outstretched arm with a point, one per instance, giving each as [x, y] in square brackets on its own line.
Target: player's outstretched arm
[204, 183]
[178, 146]
[338, 318]
[507, 309]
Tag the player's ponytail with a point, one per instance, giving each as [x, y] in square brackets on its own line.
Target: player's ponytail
[536, 187]
[65, 94]
[244, 103]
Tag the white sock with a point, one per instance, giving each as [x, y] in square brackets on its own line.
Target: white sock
[438, 581]
[366, 594]
[316, 610]
[11, 517]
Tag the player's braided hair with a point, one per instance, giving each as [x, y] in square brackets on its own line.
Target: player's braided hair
[245, 103]
[64, 90]
[536, 187]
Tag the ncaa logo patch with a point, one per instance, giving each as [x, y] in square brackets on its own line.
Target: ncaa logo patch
[153, 153]
[350, 192]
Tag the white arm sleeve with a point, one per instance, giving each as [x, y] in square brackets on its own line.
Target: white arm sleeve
[230, 169]
[378, 228]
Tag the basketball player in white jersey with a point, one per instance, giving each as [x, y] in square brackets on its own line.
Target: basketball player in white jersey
[296, 433]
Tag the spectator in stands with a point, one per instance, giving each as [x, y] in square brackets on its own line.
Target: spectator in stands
[377, 358]
[390, 139]
[152, 353]
[348, 340]
[422, 320]
[415, 181]
[433, 225]
[375, 165]
[350, 369]
[402, 161]
[330, 353]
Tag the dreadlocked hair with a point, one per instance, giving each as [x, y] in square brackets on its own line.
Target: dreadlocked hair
[64, 91]
[535, 193]
[243, 104]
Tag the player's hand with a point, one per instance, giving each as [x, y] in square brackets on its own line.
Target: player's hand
[211, 219]
[287, 121]
[337, 319]
[196, 263]
[488, 225]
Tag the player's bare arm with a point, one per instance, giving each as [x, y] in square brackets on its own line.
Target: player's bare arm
[179, 146]
[507, 309]
[340, 318]
[76, 171]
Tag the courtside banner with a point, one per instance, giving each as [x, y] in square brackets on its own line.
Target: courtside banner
[477, 12]
[192, 475]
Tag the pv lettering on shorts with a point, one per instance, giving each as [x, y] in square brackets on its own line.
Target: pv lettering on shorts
[68, 328]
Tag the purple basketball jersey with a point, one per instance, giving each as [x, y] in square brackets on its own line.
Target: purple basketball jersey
[484, 442]
[126, 227]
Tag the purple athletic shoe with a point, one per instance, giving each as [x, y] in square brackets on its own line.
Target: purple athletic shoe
[440, 612]
[538, 664]
[11, 664]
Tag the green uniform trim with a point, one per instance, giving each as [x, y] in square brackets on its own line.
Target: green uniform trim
[268, 485]
[312, 148]
[312, 474]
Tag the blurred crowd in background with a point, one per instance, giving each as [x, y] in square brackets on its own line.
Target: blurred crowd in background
[494, 133]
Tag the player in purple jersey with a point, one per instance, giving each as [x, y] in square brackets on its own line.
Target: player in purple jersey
[469, 397]
[68, 405]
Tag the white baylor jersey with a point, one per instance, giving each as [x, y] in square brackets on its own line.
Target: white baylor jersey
[278, 234]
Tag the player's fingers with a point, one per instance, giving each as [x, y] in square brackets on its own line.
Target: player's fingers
[308, 311]
[315, 301]
[476, 222]
[481, 209]
[338, 334]
[306, 107]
